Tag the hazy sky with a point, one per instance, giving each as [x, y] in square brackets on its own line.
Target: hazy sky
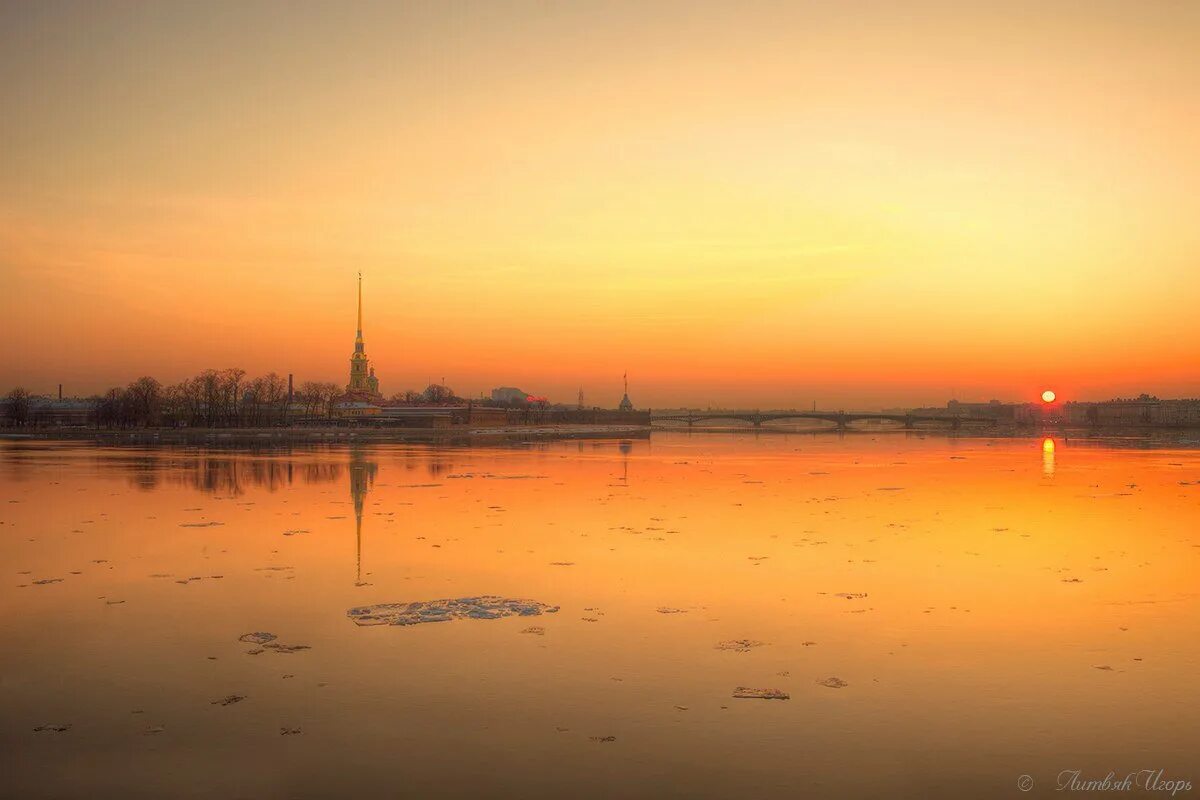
[754, 204]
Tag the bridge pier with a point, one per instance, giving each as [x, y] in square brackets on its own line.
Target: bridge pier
[842, 422]
[908, 422]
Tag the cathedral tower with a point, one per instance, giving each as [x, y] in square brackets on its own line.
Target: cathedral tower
[362, 375]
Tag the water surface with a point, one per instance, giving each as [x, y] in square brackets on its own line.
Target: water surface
[944, 615]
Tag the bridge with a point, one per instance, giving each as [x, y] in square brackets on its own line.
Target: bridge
[842, 419]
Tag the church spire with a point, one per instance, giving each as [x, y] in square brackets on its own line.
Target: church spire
[362, 377]
[360, 306]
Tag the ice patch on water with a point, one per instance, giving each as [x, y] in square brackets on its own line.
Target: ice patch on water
[748, 693]
[485, 607]
[739, 645]
[258, 637]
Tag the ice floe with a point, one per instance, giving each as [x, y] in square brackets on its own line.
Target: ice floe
[258, 637]
[484, 607]
[748, 693]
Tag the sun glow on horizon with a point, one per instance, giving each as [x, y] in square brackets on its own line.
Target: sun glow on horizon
[1048, 396]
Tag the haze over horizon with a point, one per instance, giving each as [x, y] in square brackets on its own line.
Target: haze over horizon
[863, 204]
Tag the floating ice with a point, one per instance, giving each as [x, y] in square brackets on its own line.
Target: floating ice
[747, 693]
[229, 700]
[485, 607]
[258, 637]
[53, 728]
[739, 645]
[833, 683]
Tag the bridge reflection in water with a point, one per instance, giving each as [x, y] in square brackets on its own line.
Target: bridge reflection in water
[841, 419]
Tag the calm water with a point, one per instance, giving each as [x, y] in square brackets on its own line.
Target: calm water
[993, 609]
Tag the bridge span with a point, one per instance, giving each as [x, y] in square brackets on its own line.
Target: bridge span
[842, 419]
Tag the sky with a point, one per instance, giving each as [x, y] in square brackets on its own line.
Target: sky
[752, 204]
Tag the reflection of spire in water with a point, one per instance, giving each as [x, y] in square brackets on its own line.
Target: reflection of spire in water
[626, 447]
[1048, 457]
[362, 478]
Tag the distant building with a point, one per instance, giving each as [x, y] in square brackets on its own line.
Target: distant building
[355, 408]
[48, 411]
[363, 384]
[993, 409]
[508, 395]
[1142, 410]
[626, 404]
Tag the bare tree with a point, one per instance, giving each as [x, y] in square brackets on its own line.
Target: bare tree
[265, 398]
[18, 406]
[230, 394]
[310, 395]
[144, 398]
[437, 393]
[329, 395]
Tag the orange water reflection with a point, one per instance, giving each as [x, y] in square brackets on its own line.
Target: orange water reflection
[1018, 617]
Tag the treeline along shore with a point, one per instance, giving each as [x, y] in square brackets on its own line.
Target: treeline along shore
[227, 399]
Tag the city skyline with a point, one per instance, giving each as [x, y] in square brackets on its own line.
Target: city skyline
[783, 206]
[363, 385]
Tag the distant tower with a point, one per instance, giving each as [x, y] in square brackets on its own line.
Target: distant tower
[626, 403]
[362, 376]
[581, 398]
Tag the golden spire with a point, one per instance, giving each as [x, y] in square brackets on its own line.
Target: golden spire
[360, 304]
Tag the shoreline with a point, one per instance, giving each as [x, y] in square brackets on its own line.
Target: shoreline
[336, 435]
[1188, 437]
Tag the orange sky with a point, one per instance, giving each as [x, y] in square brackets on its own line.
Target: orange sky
[757, 204]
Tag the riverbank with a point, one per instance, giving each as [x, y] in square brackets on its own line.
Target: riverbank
[282, 436]
[332, 435]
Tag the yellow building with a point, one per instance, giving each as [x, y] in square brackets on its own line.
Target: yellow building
[363, 383]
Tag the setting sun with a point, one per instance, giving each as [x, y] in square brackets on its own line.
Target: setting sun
[1048, 396]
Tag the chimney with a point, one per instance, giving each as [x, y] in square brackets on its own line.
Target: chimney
[291, 392]
[60, 391]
